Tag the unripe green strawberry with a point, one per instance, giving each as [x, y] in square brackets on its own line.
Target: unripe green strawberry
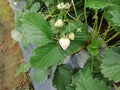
[71, 36]
[64, 43]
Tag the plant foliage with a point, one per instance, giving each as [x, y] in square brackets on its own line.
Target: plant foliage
[47, 56]
[111, 64]
[62, 77]
[62, 28]
[84, 81]
[24, 67]
[40, 74]
[97, 4]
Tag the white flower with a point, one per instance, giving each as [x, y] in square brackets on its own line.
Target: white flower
[16, 35]
[60, 5]
[58, 23]
[67, 6]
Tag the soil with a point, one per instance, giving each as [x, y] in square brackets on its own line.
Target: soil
[10, 53]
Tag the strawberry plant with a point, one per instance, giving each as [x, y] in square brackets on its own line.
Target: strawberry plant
[62, 28]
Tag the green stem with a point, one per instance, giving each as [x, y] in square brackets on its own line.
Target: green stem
[58, 1]
[92, 64]
[96, 20]
[100, 24]
[74, 26]
[116, 88]
[74, 8]
[116, 34]
[71, 16]
[78, 2]
[106, 31]
[95, 27]
[85, 16]
[115, 45]
[98, 57]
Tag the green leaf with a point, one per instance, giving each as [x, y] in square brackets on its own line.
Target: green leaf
[84, 81]
[93, 48]
[62, 77]
[113, 2]
[35, 30]
[70, 88]
[116, 49]
[47, 56]
[35, 7]
[73, 27]
[85, 72]
[96, 66]
[112, 14]
[115, 12]
[24, 67]
[97, 4]
[80, 37]
[40, 74]
[111, 64]
[29, 3]
[16, 35]
[48, 2]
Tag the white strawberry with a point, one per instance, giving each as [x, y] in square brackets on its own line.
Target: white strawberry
[64, 43]
[71, 36]
[15, 3]
[59, 23]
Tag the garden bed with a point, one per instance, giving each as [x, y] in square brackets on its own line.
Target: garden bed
[10, 53]
[55, 36]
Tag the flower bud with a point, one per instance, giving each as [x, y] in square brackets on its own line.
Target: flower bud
[79, 30]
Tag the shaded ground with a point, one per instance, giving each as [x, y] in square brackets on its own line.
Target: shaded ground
[10, 53]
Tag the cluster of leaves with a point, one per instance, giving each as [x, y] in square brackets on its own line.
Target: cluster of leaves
[36, 25]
